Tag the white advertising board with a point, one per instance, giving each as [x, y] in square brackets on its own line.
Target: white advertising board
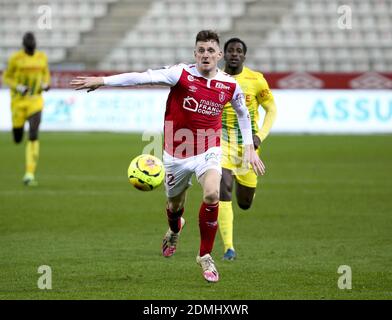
[138, 110]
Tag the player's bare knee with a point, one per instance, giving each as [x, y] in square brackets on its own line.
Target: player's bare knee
[211, 196]
[245, 205]
[225, 195]
[33, 135]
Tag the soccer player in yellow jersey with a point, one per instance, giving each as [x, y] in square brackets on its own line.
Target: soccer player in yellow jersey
[27, 75]
[257, 92]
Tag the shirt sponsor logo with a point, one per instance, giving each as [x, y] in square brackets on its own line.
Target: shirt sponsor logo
[190, 104]
[205, 107]
[210, 108]
[220, 85]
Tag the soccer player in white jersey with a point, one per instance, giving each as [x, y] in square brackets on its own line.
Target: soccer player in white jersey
[192, 136]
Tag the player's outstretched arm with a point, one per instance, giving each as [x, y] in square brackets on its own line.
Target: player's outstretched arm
[165, 76]
[89, 83]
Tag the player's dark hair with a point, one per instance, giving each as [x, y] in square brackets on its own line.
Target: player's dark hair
[207, 35]
[235, 40]
[29, 42]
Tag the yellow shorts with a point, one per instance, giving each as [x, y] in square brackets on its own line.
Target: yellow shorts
[22, 109]
[232, 160]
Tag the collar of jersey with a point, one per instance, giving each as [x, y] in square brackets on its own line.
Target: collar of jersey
[198, 74]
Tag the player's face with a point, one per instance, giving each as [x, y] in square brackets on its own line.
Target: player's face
[234, 55]
[207, 55]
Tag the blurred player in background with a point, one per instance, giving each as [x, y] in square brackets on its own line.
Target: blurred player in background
[27, 75]
[194, 107]
[257, 92]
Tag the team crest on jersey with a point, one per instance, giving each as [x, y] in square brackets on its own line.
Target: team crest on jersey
[191, 78]
[222, 96]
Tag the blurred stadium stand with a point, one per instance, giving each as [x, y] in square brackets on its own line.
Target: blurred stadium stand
[282, 35]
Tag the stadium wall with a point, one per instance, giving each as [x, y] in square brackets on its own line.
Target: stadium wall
[307, 103]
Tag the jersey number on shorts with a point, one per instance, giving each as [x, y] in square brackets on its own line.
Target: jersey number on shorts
[169, 179]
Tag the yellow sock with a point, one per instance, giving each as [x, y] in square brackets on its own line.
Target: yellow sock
[32, 154]
[225, 221]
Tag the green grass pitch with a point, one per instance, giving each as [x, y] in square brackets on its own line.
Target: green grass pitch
[325, 201]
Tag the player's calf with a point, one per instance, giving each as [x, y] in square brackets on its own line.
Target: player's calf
[226, 185]
[245, 196]
[34, 122]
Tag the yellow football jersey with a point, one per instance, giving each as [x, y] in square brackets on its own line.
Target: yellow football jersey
[257, 92]
[30, 71]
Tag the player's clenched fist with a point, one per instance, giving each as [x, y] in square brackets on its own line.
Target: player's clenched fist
[89, 83]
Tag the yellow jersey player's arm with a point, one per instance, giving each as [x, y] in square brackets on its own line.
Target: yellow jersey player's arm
[46, 74]
[9, 73]
[267, 101]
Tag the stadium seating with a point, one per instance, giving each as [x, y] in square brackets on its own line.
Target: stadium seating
[58, 25]
[165, 35]
[282, 35]
[311, 33]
